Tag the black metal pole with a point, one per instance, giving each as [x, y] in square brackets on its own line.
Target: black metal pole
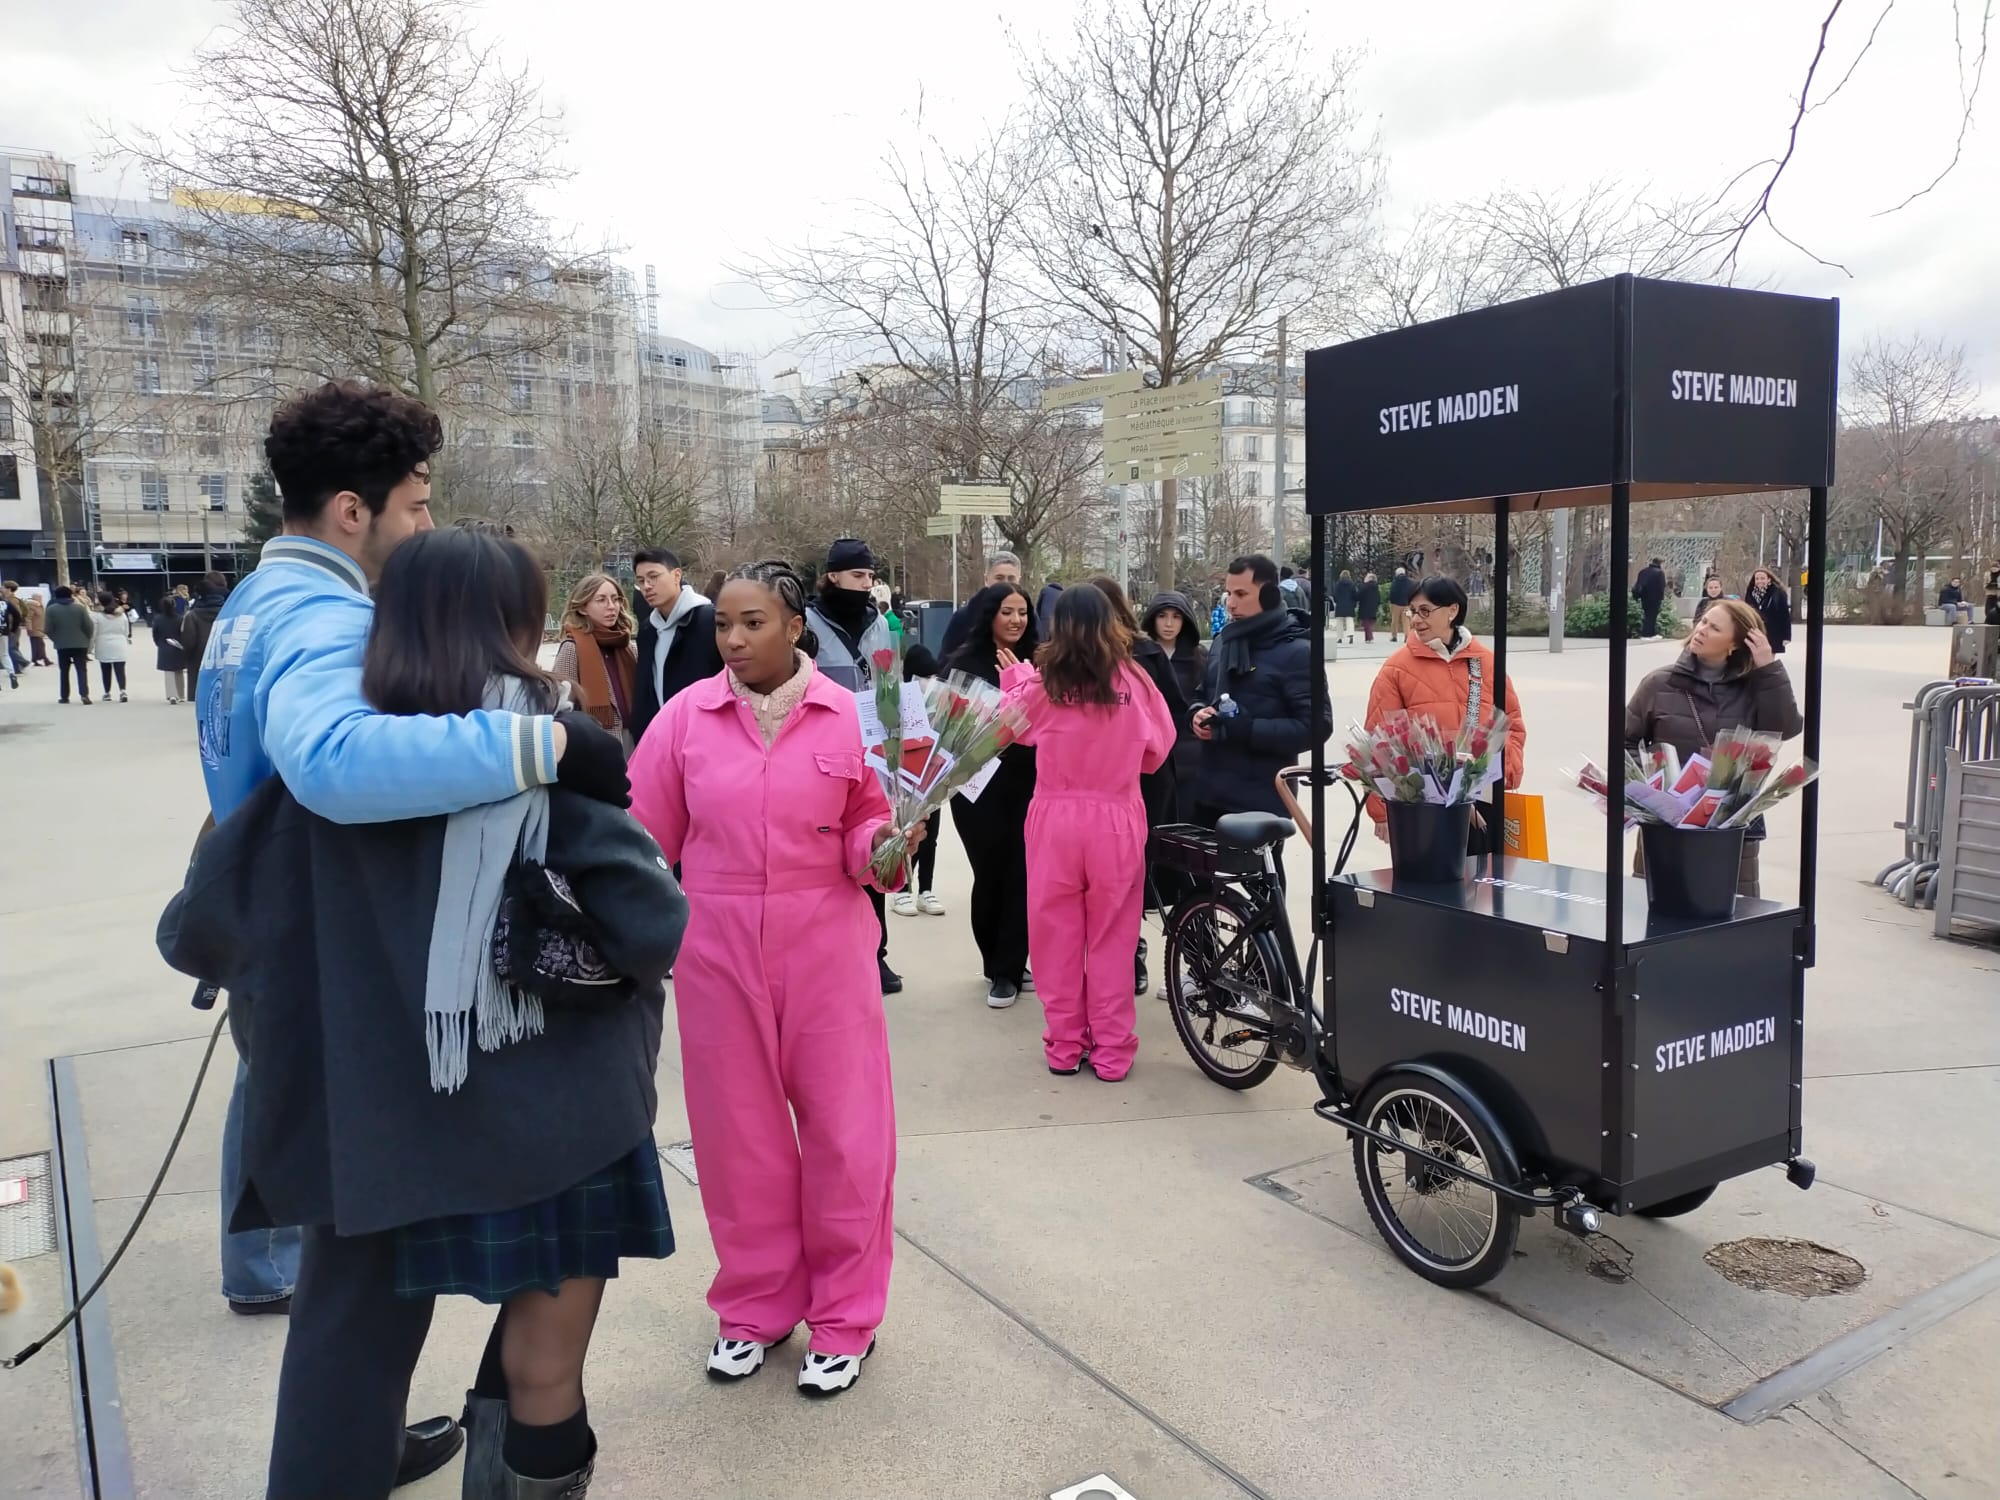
[1815, 655]
[1620, 563]
[1320, 831]
[1496, 819]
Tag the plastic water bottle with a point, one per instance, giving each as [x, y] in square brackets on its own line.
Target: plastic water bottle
[1226, 706]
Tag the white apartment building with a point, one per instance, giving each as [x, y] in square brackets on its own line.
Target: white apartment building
[37, 352]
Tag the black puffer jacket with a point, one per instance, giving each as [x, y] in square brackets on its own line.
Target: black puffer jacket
[1281, 712]
[1189, 660]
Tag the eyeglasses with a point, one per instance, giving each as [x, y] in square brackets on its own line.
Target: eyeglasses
[1422, 611]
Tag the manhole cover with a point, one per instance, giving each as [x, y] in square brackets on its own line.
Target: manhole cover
[1798, 1268]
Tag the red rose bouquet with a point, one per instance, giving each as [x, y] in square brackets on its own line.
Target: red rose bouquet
[1407, 758]
[970, 723]
[1732, 782]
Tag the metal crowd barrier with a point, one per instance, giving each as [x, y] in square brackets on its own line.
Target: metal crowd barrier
[1957, 719]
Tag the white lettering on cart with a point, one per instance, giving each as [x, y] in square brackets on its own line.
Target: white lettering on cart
[1721, 1042]
[1509, 1034]
[1539, 890]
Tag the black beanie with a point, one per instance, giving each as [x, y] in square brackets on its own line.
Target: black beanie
[849, 552]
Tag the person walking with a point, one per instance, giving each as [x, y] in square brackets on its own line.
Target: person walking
[754, 783]
[286, 701]
[1767, 596]
[597, 658]
[1346, 601]
[1401, 587]
[1259, 711]
[197, 623]
[37, 613]
[850, 630]
[70, 627]
[1368, 605]
[1001, 567]
[1650, 589]
[169, 659]
[1728, 677]
[539, 1172]
[1711, 593]
[676, 635]
[13, 627]
[993, 829]
[112, 641]
[1443, 672]
[918, 663]
[1097, 724]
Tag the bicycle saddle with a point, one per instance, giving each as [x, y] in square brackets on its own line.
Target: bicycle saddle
[1253, 830]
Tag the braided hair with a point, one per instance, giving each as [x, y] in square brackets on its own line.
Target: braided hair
[782, 579]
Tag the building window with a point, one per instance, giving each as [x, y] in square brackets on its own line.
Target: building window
[1253, 482]
[153, 443]
[476, 437]
[523, 438]
[201, 371]
[10, 477]
[153, 491]
[520, 393]
[135, 247]
[146, 374]
[1253, 450]
[142, 318]
[215, 490]
[6, 409]
[205, 330]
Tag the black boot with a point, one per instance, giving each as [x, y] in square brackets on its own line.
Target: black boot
[1139, 969]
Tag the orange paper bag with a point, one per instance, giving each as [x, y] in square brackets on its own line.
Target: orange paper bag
[1527, 832]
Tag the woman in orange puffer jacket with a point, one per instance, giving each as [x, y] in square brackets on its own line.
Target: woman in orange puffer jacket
[1439, 671]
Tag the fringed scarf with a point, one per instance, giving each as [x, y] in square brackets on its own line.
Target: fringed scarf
[605, 663]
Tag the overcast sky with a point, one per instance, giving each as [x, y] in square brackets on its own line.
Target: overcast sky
[701, 135]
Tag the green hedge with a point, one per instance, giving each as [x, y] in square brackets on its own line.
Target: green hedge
[1590, 618]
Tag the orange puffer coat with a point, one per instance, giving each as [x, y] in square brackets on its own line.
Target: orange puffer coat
[1417, 678]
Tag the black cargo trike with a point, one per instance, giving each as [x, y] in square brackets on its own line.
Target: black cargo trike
[1531, 1036]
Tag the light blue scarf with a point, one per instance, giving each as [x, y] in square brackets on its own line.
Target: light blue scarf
[480, 845]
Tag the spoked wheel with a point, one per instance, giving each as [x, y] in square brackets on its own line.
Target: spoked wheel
[1232, 1049]
[1445, 1227]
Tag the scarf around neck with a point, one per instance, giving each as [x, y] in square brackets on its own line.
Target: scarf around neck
[772, 709]
[1240, 638]
[604, 667]
[460, 988]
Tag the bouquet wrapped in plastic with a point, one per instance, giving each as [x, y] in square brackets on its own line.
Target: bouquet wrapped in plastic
[1407, 758]
[1732, 782]
[965, 724]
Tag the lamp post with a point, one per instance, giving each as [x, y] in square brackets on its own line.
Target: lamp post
[1278, 460]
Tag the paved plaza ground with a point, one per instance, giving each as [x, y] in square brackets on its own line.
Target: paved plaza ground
[1157, 1280]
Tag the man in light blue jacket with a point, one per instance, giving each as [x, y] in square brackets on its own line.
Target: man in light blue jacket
[280, 694]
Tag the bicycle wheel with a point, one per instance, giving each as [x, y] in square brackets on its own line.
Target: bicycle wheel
[1447, 1228]
[1233, 1051]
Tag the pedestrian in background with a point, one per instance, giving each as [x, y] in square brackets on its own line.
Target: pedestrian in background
[197, 621]
[1170, 620]
[1097, 723]
[597, 658]
[1952, 600]
[754, 783]
[1993, 594]
[919, 664]
[13, 628]
[676, 633]
[1650, 589]
[70, 627]
[1401, 587]
[1767, 596]
[1368, 605]
[37, 612]
[1218, 616]
[1045, 604]
[1001, 567]
[1711, 593]
[113, 644]
[168, 656]
[1346, 600]
[993, 829]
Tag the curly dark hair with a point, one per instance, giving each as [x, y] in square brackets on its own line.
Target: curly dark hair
[978, 654]
[348, 436]
[1087, 643]
[782, 579]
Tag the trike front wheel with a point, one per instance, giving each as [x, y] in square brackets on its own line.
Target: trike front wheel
[1444, 1225]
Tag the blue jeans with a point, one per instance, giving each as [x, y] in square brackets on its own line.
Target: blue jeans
[258, 1265]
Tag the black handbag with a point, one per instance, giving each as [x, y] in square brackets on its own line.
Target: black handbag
[544, 943]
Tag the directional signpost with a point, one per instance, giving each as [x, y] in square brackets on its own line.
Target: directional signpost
[1097, 388]
[941, 526]
[955, 503]
[1171, 433]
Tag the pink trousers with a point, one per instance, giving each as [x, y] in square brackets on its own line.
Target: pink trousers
[785, 1060]
[1086, 868]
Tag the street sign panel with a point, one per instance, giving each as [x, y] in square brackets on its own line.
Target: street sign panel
[941, 525]
[975, 499]
[1167, 445]
[1152, 471]
[1187, 393]
[1154, 423]
[1094, 389]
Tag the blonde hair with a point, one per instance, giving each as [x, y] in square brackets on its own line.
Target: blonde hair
[586, 589]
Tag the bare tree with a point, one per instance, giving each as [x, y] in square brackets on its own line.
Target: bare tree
[1207, 175]
[358, 179]
[1447, 262]
[1903, 400]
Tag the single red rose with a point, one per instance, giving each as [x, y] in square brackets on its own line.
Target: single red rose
[1402, 765]
[1796, 776]
[884, 659]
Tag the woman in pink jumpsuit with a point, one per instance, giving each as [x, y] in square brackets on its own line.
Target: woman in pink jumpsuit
[753, 782]
[1097, 723]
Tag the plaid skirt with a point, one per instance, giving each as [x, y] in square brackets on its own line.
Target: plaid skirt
[619, 1213]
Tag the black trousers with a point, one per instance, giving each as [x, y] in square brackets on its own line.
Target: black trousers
[881, 904]
[349, 1354]
[38, 646]
[79, 662]
[995, 839]
[926, 860]
[109, 669]
[1651, 614]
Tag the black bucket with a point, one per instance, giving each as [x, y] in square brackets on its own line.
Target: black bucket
[1691, 872]
[1427, 841]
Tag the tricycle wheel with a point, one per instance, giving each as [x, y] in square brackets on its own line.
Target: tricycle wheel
[1232, 1050]
[1673, 1208]
[1444, 1226]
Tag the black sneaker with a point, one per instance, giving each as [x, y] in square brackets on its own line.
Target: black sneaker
[1002, 993]
[892, 982]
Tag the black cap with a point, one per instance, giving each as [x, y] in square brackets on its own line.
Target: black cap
[849, 552]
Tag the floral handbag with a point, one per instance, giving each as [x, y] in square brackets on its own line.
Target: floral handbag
[545, 944]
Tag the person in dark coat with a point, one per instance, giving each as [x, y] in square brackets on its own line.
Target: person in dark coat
[1650, 589]
[1001, 567]
[1170, 620]
[169, 658]
[70, 629]
[1729, 677]
[994, 828]
[676, 635]
[196, 623]
[1045, 603]
[1401, 588]
[1368, 605]
[1767, 596]
[1262, 663]
[491, 1142]
[1346, 600]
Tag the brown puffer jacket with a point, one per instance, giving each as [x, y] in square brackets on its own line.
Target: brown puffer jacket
[1674, 706]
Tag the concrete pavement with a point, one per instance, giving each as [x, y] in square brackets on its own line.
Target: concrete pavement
[1159, 1280]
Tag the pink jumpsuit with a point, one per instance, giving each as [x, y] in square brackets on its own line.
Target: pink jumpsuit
[784, 1048]
[1087, 861]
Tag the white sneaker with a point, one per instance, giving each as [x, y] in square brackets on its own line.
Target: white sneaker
[830, 1374]
[929, 904]
[1189, 988]
[904, 904]
[735, 1359]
